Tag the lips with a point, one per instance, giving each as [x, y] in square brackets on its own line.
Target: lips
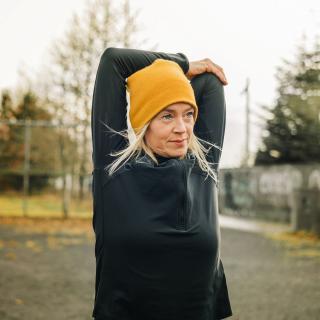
[178, 140]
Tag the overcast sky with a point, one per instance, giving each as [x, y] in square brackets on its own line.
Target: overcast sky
[247, 38]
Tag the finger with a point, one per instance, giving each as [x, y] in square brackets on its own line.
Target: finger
[216, 69]
[223, 77]
[205, 66]
[220, 74]
[216, 65]
[210, 62]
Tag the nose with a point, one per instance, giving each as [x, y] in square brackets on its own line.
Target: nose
[180, 125]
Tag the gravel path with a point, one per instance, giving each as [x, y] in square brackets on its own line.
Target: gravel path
[49, 274]
[271, 279]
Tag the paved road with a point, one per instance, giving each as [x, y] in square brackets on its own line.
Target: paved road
[269, 276]
[50, 275]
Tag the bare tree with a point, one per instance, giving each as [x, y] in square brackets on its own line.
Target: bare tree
[75, 59]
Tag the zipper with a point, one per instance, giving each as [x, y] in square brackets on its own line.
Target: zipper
[184, 210]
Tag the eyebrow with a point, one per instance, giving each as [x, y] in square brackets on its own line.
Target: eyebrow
[171, 110]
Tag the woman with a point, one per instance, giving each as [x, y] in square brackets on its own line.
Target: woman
[155, 205]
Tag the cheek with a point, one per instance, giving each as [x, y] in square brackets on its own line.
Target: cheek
[190, 128]
[155, 135]
[160, 133]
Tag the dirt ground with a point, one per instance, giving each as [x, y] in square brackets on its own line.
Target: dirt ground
[47, 271]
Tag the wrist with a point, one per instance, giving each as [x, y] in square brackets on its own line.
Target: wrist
[186, 64]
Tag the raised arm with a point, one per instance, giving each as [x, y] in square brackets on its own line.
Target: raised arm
[210, 124]
[109, 103]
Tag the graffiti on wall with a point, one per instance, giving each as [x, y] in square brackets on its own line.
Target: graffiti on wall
[238, 190]
[314, 179]
[281, 183]
[266, 191]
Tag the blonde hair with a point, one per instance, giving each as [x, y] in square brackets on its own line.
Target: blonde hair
[137, 144]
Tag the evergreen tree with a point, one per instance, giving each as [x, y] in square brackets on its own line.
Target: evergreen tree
[292, 134]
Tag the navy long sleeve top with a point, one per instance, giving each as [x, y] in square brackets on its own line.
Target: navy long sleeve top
[157, 228]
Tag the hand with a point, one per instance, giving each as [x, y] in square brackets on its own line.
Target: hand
[206, 65]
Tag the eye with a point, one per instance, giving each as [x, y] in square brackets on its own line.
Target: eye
[190, 114]
[167, 116]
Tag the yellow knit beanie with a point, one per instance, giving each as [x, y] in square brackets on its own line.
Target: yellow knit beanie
[155, 87]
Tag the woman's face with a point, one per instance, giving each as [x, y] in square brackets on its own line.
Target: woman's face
[170, 130]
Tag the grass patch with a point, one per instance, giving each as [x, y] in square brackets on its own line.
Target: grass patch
[299, 244]
[43, 205]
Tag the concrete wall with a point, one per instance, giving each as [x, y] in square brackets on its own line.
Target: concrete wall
[267, 192]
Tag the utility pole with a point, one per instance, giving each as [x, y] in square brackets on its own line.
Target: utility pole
[26, 168]
[247, 138]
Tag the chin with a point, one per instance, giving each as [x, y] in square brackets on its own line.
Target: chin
[179, 153]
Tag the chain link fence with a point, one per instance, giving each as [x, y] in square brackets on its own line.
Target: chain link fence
[45, 169]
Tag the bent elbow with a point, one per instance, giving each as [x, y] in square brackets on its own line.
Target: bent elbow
[109, 54]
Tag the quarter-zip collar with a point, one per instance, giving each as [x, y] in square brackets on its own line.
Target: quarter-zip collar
[162, 161]
[162, 158]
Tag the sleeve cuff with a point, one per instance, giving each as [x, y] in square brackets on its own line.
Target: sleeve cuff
[186, 62]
